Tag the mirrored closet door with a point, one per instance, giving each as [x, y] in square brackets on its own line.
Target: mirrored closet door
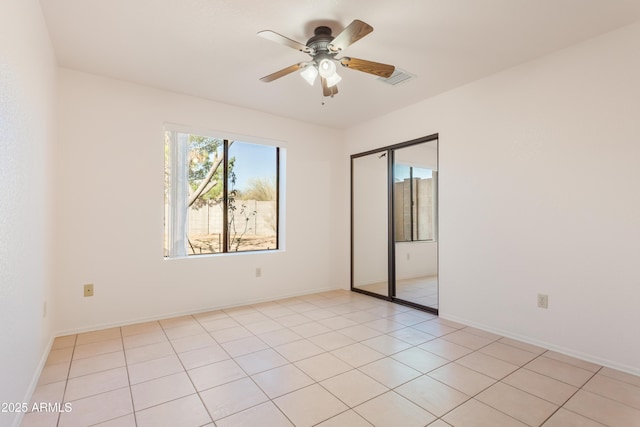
[415, 217]
[394, 223]
[370, 223]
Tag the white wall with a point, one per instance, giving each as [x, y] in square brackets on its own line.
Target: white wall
[109, 207]
[27, 82]
[539, 172]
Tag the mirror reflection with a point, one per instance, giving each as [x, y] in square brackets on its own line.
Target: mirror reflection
[370, 223]
[415, 188]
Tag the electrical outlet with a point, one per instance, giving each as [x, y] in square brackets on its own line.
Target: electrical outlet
[258, 272]
[88, 290]
[543, 301]
[408, 256]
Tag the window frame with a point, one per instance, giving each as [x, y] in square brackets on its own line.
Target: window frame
[226, 138]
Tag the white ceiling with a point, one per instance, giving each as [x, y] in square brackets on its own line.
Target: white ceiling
[209, 48]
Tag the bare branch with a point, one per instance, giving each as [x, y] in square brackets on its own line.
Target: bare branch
[205, 182]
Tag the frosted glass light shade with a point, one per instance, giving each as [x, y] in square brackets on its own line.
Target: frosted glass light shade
[309, 73]
[327, 68]
[333, 79]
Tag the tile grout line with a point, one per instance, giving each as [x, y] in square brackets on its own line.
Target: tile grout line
[565, 363]
[93, 395]
[258, 385]
[436, 379]
[230, 358]
[187, 373]
[126, 364]
[108, 391]
[571, 396]
[316, 382]
[66, 383]
[608, 398]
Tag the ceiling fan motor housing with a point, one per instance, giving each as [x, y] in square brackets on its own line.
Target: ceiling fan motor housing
[320, 41]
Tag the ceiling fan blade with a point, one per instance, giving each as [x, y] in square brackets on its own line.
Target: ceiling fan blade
[282, 73]
[280, 39]
[326, 90]
[376, 68]
[354, 32]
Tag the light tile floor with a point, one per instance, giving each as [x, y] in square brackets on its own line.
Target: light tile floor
[420, 290]
[331, 359]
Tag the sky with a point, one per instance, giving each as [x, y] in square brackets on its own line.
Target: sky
[252, 160]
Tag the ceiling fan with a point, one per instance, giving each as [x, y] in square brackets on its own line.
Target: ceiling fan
[323, 49]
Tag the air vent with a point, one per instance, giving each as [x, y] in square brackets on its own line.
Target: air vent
[398, 76]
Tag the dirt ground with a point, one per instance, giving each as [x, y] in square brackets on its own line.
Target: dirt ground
[211, 243]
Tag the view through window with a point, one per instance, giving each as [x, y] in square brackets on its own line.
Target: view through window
[221, 195]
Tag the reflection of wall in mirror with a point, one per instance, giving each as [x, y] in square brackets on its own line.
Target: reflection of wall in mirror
[370, 222]
[422, 260]
[423, 155]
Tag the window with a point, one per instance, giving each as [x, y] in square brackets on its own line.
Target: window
[221, 195]
[414, 203]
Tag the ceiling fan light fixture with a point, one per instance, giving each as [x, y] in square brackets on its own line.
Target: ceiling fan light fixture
[310, 73]
[323, 48]
[333, 79]
[327, 68]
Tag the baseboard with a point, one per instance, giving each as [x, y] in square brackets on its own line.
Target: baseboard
[549, 346]
[186, 312]
[415, 277]
[34, 381]
[397, 278]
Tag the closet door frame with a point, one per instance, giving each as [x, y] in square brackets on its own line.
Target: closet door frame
[391, 249]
